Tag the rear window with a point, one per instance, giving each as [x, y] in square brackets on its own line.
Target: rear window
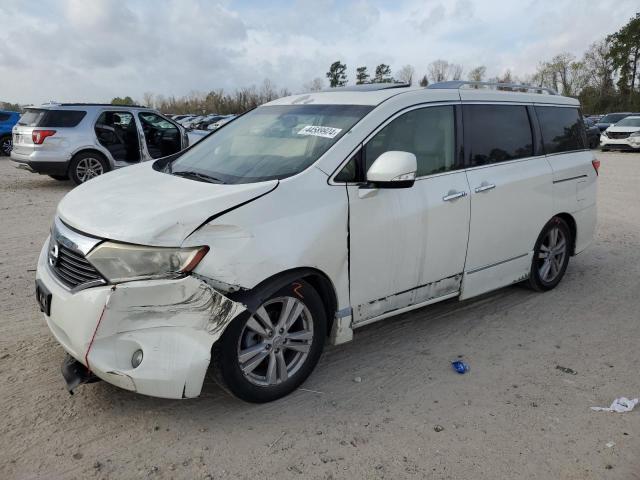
[34, 117]
[496, 133]
[562, 129]
[4, 117]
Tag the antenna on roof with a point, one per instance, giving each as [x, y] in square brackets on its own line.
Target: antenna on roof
[513, 87]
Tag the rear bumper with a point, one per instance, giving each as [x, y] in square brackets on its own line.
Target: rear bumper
[174, 322]
[37, 164]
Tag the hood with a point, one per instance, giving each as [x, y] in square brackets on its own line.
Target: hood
[619, 129]
[140, 205]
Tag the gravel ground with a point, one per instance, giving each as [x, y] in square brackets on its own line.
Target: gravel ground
[388, 405]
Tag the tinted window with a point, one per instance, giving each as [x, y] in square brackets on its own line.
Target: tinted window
[428, 133]
[562, 129]
[496, 133]
[4, 117]
[51, 118]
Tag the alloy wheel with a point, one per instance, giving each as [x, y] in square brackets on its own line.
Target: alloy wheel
[88, 168]
[275, 341]
[553, 251]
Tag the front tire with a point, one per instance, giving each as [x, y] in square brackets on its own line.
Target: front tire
[551, 255]
[267, 355]
[87, 165]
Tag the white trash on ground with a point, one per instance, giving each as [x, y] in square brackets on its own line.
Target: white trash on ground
[619, 405]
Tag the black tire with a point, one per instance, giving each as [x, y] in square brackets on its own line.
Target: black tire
[602, 149]
[60, 178]
[546, 273]
[226, 365]
[84, 159]
[5, 145]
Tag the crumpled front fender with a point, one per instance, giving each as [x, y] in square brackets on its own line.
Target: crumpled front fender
[174, 322]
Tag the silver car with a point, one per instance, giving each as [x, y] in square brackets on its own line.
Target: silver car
[81, 141]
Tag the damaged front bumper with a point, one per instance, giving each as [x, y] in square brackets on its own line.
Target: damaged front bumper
[173, 322]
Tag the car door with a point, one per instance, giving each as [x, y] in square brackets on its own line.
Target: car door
[511, 194]
[408, 245]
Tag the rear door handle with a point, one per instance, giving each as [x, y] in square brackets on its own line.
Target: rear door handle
[453, 195]
[484, 187]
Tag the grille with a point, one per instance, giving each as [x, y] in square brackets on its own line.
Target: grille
[618, 135]
[73, 269]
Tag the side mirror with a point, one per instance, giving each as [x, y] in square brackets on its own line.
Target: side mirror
[393, 169]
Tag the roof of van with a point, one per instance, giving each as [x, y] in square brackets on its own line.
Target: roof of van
[71, 106]
[374, 94]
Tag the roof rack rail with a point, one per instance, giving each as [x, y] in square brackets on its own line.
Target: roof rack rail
[97, 105]
[368, 87]
[457, 84]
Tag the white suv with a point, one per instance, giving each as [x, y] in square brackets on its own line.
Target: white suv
[624, 135]
[81, 141]
[305, 219]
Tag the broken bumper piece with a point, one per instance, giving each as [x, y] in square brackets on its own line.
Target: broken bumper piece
[172, 322]
[75, 374]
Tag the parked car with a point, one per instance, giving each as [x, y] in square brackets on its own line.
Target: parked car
[81, 141]
[206, 121]
[216, 125]
[624, 135]
[611, 119]
[305, 219]
[7, 120]
[593, 133]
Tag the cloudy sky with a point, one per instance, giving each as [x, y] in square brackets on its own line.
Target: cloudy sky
[93, 50]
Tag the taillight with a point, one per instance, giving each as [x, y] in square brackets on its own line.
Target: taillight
[596, 166]
[38, 136]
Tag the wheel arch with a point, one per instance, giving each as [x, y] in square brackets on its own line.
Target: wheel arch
[254, 297]
[93, 150]
[573, 228]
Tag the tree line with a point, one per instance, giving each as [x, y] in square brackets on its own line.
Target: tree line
[606, 78]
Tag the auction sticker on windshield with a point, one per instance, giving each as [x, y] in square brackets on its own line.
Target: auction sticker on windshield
[317, 131]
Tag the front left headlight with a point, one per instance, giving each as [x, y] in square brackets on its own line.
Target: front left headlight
[119, 262]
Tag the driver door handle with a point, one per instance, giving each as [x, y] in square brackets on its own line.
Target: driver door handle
[453, 195]
[484, 187]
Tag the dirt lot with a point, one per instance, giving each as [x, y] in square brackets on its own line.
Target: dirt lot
[370, 409]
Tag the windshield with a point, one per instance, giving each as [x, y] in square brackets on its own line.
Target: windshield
[613, 117]
[629, 122]
[270, 142]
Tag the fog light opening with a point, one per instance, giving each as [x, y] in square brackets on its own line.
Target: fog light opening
[136, 358]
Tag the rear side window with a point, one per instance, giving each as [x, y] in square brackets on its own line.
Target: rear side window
[562, 129]
[4, 117]
[51, 118]
[496, 133]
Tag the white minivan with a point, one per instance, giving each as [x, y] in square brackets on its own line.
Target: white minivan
[307, 218]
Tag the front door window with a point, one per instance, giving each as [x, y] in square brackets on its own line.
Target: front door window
[161, 136]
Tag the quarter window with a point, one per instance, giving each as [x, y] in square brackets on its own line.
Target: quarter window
[496, 133]
[428, 133]
[562, 129]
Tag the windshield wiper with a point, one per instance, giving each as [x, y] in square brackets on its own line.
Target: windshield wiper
[201, 177]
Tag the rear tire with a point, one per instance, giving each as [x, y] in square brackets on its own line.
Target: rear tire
[260, 359]
[87, 165]
[550, 255]
[6, 144]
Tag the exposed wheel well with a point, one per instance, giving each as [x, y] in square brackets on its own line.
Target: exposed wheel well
[571, 222]
[254, 297]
